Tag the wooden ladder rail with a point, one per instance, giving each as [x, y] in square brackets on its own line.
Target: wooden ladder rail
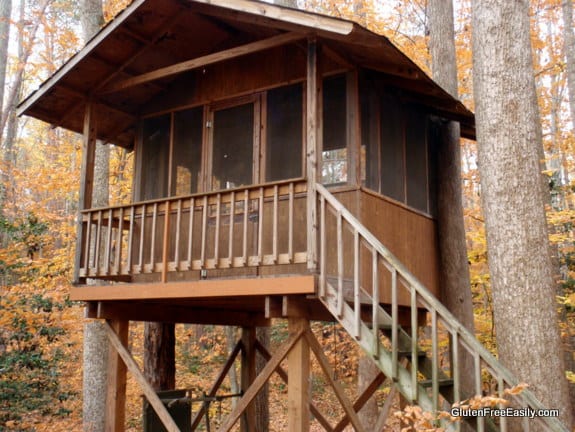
[420, 298]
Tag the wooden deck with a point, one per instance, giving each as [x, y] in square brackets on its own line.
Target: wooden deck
[261, 225]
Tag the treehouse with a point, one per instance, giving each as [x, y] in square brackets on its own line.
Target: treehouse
[285, 165]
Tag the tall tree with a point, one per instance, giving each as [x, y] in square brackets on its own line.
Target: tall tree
[5, 14]
[95, 339]
[509, 138]
[454, 267]
[569, 53]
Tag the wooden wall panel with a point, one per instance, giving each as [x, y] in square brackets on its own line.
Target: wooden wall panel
[409, 236]
[243, 75]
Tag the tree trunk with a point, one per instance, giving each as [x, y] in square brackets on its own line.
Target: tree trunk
[95, 339]
[509, 138]
[5, 14]
[569, 53]
[454, 267]
[160, 355]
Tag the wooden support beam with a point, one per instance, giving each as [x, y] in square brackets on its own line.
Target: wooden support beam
[197, 289]
[86, 181]
[147, 389]
[143, 311]
[284, 376]
[261, 379]
[361, 400]
[206, 60]
[299, 390]
[217, 383]
[313, 147]
[353, 128]
[337, 388]
[248, 375]
[116, 387]
[254, 12]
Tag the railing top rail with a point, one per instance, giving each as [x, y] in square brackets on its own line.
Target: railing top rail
[300, 180]
[434, 304]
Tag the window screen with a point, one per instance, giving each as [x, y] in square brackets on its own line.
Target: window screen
[334, 154]
[233, 142]
[155, 158]
[416, 158]
[187, 158]
[284, 133]
[392, 155]
[370, 138]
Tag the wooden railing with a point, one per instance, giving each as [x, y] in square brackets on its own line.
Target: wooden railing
[355, 271]
[245, 227]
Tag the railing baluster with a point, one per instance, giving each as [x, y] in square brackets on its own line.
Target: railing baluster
[191, 232]
[356, 292]
[165, 241]
[97, 250]
[478, 388]
[245, 228]
[322, 251]
[178, 230]
[414, 341]
[87, 247]
[153, 245]
[119, 233]
[261, 227]
[142, 233]
[455, 371]
[375, 301]
[290, 222]
[107, 256]
[394, 326]
[204, 230]
[501, 391]
[339, 265]
[130, 239]
[434, 362]
[231, 230]
[275, 226]
[217, 230]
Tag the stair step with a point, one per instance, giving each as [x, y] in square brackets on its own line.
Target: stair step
[445, 382]
[408, 353]
[380, 326]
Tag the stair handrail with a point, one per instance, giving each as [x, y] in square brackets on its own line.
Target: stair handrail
[432, 303]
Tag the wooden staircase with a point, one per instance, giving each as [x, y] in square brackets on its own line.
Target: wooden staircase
[351, 272]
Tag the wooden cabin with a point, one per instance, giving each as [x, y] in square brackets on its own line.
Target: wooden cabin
[285, 166]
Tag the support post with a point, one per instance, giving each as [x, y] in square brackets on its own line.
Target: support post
[86, 182]
[299, 372]
[314, 145]
[116, 388]
[248, 375]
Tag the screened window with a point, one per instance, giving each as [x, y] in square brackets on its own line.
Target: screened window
[187, 157]
[284, 133]
[416, 158]
[392, 155]
[155, 158]
[233, 147]
[334, 155]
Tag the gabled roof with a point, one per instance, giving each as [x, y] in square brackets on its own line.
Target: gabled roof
[118, 68]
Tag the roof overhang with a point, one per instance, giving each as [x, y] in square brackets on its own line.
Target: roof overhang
[139, 53]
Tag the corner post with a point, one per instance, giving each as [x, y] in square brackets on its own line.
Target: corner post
[248, 375]
[314, 145]
[86, 181]
[299, 373]
[116, 389]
